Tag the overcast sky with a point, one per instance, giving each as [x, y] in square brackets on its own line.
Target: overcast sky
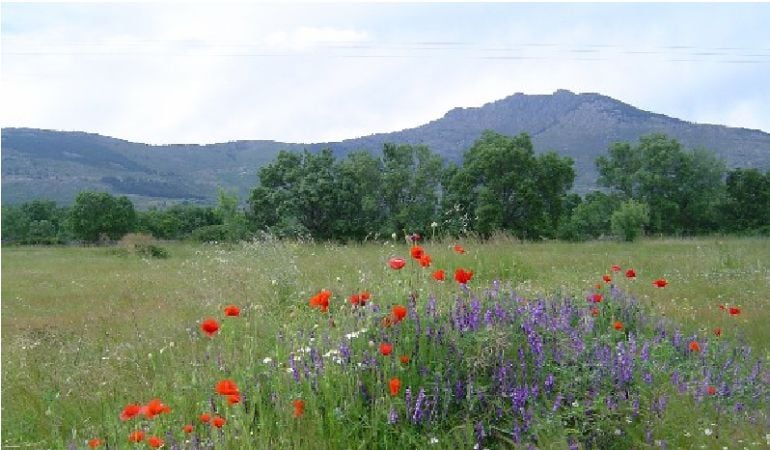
[171, 73]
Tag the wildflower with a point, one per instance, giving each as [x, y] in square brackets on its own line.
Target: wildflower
[417, 252]
[210, 326]
[232, 311]
[205, 417]
[130, 411]
[155, 442]
[630, 274]
[387, 321]
[694, 346]
[415, 237]
[188, 428]
[321, 300]
[606, 278]
[660, 283]
[395, 386]
[386, 349]
[404, 359]
[707, 431]
[462, 276]
[136, 436]
[711, 390]
[425, 260]
[154, 408]
[233, 399]
[734, 311]
[717, 332]
[439, 275]
[396, 263]
[299, 408]
[595, 311]
[227, 387]
[218, 421]
[433, 441]
[95, 442]
[433, 224]
[399, 312]
[615, 268]
[365, 296]
[596, 297]
[458, 249]
[618, 325]
[355, 299]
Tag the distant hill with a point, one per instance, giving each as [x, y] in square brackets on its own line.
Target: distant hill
[57, 165]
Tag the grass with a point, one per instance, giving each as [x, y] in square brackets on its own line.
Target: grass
[86, 331]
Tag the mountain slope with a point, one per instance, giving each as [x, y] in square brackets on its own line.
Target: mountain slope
[52, 164]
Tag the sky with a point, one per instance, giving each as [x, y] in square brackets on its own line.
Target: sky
[212, 72]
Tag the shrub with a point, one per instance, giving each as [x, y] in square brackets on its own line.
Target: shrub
[628, 220]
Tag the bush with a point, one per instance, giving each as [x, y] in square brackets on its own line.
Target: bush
[628, 220]
[142, 245]
[210, 233]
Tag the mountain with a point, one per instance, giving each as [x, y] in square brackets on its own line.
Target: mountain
[57, 165]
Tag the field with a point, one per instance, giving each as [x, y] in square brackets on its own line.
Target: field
[87, 331]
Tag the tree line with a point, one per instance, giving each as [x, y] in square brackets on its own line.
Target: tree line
[654, 187]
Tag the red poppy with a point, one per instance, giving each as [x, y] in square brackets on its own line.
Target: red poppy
[95, 442]
[365, 296]
[606, 278]
[722, 307]
[205, 417]
[615, 268]
[218, 421]
[399, 312]
[136, 436]
[463, 276]
[232, 311]
[734, 311]
[154, 408]
[417, 252]
[694, 346]
[386, 349]
[459, 249]
[618, 325]
[595, 311]
[299, 407]
[425, 260]
[597, 297]
[660, 283]
[396, 263]
[210, 326]
[631, 274]
[717, 332]
[155, 442]
[321, 300]
[355, 299]
[439, 275]
[404, 359]
[188, 428]
[227, 387]
[233, 399]
[130, 411]
[395, 386]
[711, 390]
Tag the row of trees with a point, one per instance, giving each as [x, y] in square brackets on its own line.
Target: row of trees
[655, 186]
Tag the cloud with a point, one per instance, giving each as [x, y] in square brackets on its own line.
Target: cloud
[304, 38]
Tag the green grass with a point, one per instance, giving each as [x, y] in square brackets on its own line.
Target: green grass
[85, 331]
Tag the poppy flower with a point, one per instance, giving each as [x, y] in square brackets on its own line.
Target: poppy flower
[395, 386]
[711, 390]
[606, 278]
[299, 408]
[154, 408]
[458, 249]
[227, 387]
[722, 307]
[355, 299]
[630, 274]
[404, 359]
[597, 297]
[136, 436]
[205, 417]
[439, 275]
[463, 276]
[155, 442]
[660, 283]
[615, 268]
[188, 428]
[365, 296]
[734, 311]
[210, 326]
[386, 349]
[130, 411]
[321, 300]
[396, 263]
[425, 260]
[232, 311]
[233, 399]
[95, 442]
[618, 325]
[717, 332]
[595, 311]
[399, 312]
[694, 346]
[417, 252]
[218, 421]
[415, 237]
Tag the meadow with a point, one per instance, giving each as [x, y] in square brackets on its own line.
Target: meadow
[536, 350]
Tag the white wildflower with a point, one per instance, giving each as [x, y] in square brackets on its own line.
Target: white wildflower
[708, 431]
[433, 440]
[267, 360]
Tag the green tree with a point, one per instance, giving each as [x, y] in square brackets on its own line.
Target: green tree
[627, 221]
[97, 214]
[590, 219]
[360, 204]
[233, 220]
[747, 206]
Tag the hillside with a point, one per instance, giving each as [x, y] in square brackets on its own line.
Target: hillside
[53, 164]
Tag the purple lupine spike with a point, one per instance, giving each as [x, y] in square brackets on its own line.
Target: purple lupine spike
[408, 400]
[549, 380]
[572, 444]
[459, 390]
[294, 369]
[430, 309]
[419, 407]
[393, 416]
[345, 352]
[480, 433]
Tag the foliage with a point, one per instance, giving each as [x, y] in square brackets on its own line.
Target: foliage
[177, 221]
[98, 214]
[627, 221]
[748, 200]
[590, 219]
[36, 222]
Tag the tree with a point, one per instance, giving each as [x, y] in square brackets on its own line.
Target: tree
[97, 214]
[590, 219]
[747, 206]
[627, 221]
